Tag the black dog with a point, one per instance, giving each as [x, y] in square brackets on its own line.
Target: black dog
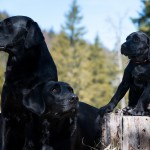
[62, 125]
[29, 63]
[137, 48]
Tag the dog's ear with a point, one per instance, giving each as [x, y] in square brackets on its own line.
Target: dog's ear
[34, 35]
[33, 100]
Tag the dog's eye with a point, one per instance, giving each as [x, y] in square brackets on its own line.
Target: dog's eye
[136, 39]
[54, 90]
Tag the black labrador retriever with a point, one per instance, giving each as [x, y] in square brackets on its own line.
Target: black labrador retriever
[136, 76]
[29, 63]
[65, 124]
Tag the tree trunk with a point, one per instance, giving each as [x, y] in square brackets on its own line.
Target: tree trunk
[125, 132]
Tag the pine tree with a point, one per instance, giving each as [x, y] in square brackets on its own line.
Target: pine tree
[88, 68]
[143, 21]
[3, 15]
[3, 56]
[51, 33]
[72, 26]
[97, 42]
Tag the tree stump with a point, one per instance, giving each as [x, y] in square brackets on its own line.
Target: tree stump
[125, 132]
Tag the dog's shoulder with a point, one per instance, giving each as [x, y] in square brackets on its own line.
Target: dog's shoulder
[85, 109]
[87, 122]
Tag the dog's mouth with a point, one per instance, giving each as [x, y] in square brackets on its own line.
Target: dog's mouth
[67, 113]
[8, 46]
[126, 52]
[132, 57]
[60, 115]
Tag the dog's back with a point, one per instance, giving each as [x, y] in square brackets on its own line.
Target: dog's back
[88, 125]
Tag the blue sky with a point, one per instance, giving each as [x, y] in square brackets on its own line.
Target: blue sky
[100, 16]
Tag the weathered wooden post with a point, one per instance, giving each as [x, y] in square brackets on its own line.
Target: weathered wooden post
[125, 132]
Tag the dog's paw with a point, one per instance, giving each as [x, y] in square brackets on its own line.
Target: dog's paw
[106, 109]
[136, 112]
[126, 110]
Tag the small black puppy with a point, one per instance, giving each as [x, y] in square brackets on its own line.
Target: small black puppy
[29, 63]
[65, 123]
[135, 78]
[142, 72]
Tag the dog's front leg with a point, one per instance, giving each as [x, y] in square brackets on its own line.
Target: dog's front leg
[143, 102]
[121, 91]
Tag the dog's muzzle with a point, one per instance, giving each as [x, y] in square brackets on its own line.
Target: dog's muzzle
[123, 48]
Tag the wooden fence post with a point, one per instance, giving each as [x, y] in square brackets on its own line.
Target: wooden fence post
[125, 132]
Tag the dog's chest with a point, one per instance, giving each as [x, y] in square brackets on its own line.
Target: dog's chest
[138, 84]
[12, 102]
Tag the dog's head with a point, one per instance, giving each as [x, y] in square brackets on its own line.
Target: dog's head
[137, 47]
[19, 33]
[53, 99]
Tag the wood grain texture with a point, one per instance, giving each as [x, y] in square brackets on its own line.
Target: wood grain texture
[126, 132]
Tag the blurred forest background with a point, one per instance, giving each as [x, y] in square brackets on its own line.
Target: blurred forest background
[91, 69]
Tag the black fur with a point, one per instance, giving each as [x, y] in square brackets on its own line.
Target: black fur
[136, 76]
[29, 63]
[65, 123]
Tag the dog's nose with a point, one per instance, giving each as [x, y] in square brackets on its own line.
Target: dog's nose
[74, 98]
[123, 48]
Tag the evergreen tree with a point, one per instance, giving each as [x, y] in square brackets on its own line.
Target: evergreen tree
[143, 21]
[3, 15]
[97, 42]
[88, 68]
[51, 33]
[3, 57]
[72, 26]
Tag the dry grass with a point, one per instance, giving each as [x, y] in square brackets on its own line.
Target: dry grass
[96, 147]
